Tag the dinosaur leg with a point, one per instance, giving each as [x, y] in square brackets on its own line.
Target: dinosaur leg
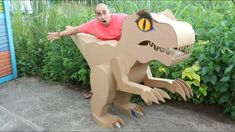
[103, 88]
[122, 102]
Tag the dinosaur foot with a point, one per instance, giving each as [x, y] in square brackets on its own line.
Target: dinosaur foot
[108, 120]
[130, 109]
[135, 110]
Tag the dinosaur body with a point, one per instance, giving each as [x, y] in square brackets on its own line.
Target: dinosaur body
[120, 69]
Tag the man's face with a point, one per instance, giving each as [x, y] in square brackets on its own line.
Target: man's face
[103, 15]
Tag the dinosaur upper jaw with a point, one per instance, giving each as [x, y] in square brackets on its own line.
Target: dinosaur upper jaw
[174, 33]
[167, 56]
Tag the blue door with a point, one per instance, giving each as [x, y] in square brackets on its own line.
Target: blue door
[7, 55]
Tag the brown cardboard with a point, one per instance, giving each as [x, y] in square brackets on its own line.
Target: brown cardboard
[120, 69]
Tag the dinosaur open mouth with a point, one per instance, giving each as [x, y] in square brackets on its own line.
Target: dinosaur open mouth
[174, 52]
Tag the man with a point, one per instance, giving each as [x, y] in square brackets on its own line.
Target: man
[106, 26]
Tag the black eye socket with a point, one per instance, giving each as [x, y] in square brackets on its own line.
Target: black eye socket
[144, 24]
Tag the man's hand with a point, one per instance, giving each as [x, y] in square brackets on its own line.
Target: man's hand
[53, 36]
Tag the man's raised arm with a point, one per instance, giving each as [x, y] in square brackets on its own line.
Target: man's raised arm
[56, 35]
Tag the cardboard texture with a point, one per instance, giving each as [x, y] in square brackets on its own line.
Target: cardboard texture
[120, 69]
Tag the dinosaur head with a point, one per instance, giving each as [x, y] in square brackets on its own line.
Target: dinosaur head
[157, 36]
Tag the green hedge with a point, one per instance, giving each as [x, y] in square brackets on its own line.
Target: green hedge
[209, 70]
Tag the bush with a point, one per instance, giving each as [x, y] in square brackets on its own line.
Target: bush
[209, 70]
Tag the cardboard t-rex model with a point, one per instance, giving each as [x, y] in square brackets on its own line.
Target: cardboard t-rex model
[120, 69]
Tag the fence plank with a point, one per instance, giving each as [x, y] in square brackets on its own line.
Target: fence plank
[7, 62]
[5, 72]
[4, 54]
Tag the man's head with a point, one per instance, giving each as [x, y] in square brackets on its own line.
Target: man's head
[103, 14]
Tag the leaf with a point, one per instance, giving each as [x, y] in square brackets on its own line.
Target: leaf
[213, 79]
[223, 23]
[204, 70]
[187, 73]
[201, 57]
[203, 90]
[233, 112]
[233, 115]
[212, 50]
[217, 68]
[196, 67]
[224, 87]
[233, 59]
[223, 99]
[225, 79]
[233, 86]
[228, 69]
[176, 74]
[233, 29]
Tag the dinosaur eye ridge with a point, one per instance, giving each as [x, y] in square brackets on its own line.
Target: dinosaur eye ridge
[144, 24]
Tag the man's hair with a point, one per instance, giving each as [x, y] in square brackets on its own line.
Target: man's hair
[100, 4]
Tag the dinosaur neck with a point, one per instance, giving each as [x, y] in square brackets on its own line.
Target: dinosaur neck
[125, 54]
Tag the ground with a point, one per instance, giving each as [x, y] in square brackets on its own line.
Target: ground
[38, 105]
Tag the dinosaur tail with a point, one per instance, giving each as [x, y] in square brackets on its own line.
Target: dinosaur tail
[81, 45]
[83, 41]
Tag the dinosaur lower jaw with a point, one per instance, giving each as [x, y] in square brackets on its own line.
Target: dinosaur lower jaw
[172, 52]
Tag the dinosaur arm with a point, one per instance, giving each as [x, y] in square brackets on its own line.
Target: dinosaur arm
[122, 79]
[178, 85]
[157, 82]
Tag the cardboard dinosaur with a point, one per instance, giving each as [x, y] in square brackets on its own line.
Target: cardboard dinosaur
[120, 69]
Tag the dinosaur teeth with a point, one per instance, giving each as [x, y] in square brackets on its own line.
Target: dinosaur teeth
[174, 52]
[162, 50]
[151, 44]
[168, 51]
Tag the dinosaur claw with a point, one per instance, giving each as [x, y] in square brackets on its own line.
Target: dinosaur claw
[181, 92]
[186, 90]
[140, 113]
[118, 125]
[188, 87]
[163, 93]
[158, 95]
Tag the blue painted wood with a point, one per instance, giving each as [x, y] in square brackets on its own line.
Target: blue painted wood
[3, 30]
[2, 38]
[10, 38]
[4, 41]
[2, 21]
[4, 49]
[3, 34]
[2, 15]
[2, 26]
[3, 45]
[6, 78]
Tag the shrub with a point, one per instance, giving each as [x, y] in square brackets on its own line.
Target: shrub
[210, 69]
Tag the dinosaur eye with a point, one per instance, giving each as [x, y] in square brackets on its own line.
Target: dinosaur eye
[144, 24]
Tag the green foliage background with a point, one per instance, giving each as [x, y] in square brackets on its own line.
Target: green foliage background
[210, 69]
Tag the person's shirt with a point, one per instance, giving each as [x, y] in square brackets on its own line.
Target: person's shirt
[111, 32]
